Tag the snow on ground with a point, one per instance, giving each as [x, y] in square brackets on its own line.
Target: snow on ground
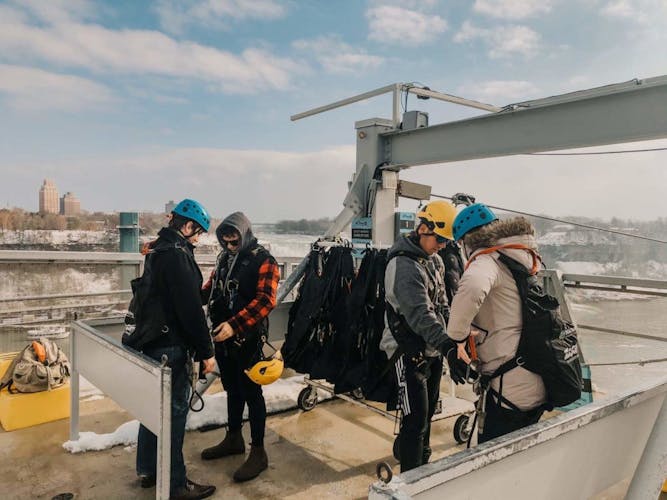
[574, 267]
[126, 434]
[53, 237]
[279, 396]
[17, 282]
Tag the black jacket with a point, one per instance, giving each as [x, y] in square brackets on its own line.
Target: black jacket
[178, 282]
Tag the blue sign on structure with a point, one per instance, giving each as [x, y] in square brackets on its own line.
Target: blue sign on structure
[362, 235]
[404, 222]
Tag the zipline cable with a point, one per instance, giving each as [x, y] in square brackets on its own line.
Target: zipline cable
[553, 219]
[620, 151]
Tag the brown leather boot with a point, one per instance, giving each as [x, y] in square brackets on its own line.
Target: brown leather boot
[233, 444]
[257, 462]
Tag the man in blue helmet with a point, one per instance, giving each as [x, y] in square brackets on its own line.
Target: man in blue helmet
[176, 282]
[488, 304]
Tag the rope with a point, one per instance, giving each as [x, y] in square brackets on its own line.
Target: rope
[553, 219]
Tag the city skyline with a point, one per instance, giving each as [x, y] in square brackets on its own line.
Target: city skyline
[51, 203]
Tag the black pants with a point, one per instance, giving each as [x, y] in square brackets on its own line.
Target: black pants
[418, 393]
[500, 421]
[241, 391]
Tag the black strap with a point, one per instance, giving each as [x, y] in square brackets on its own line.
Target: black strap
[390, 364]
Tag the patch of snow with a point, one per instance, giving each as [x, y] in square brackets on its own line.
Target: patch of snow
[597, 268]
[279, 396]
[90, 441]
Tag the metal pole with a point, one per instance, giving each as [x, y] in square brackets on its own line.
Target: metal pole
[453, 99]
[396, 107]
[650, 473]
[74, 389]
[164, 438]
[344, 102]
[291, 280]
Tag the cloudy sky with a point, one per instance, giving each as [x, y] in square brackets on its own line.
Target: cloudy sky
[129, 104]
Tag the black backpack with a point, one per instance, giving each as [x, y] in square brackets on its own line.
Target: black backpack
[145, 320]
[548, 346]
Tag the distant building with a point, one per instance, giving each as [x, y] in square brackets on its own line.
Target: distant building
[70, 204]
[169, 206]
[48, 198]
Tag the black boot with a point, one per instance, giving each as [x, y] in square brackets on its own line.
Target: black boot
[192, 491]
[257, 462]
[233, 444]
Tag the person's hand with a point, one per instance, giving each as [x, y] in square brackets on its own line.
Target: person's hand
[462, 354]
[223, 331]
[208, 365]
[457, 368]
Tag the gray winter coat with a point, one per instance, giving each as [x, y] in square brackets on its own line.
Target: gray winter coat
[488, 299]
[415, 289]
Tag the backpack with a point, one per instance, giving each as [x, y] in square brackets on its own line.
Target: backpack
[548, 345]
[40, 366]
[145, 320]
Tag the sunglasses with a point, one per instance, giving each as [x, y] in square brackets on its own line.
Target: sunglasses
[438, 238]
[231, 243]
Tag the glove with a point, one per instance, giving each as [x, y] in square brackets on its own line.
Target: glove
[457, 367]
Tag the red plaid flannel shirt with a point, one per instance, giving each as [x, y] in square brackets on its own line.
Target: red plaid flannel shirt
[264, 301]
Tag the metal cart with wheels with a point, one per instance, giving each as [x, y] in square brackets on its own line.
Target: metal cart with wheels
[448, 406]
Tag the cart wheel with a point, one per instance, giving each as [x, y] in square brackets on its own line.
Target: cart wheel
[307, 399]
[383, 472]
[396, 450]
[357, 394]
[461, 432]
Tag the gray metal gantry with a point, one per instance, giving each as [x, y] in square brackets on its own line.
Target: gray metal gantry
[624, 112]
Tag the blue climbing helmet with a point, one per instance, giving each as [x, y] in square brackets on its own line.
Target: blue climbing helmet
[471, 217]
[195, 211]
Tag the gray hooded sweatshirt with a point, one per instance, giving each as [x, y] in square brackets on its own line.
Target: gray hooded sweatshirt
[488, 299]
[242, 224]
[415, 289]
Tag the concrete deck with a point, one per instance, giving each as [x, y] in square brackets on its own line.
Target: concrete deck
[329, 452]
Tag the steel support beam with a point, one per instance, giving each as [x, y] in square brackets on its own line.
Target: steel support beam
[626, 112]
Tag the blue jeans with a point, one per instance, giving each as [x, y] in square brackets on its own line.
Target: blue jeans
[180, 392]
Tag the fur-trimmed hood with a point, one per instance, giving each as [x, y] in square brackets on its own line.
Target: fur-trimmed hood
[499, 230]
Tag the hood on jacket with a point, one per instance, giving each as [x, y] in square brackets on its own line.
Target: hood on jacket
[242, 224]
[491, 234]
[406, 244]
[503, 232]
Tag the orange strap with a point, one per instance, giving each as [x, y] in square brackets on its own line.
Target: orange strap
[537, 260]
[40, 352]
[473, 348]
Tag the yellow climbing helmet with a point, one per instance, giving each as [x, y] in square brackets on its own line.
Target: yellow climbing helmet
[266, 371]
[439, 217]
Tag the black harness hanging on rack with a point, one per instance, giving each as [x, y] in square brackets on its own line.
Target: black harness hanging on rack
[318, 315]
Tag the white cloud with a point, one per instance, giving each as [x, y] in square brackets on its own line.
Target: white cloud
[36, 89]
[336, 56]
[407, 4]
[59, 11]
[512, 9]
[502, 41]
[176, 15]
[642, 12]
[501, 92]
[141, 52]
[397, 25]
[267, 184]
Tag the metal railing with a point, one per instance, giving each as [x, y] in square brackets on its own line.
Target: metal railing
[144, 390]
[625, 437]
